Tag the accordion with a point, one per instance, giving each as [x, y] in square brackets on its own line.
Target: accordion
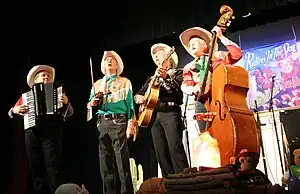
[42, 100]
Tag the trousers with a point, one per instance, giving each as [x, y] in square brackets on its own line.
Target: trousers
[114, 155]
[167, 131]
[43, 146]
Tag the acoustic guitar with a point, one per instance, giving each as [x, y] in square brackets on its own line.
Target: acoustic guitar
[151, 97]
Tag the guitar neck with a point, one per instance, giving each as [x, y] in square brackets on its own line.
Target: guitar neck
[152, 80]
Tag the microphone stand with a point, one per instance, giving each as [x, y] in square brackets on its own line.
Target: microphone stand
[260, 137]
[186, 130]
[271, 109]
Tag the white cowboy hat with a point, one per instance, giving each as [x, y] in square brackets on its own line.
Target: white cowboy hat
[186, 35]
[166, 48]
[118, 59]
[36, 69]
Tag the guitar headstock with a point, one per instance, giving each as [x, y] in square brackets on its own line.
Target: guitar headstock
[226, 17]
[168, 55]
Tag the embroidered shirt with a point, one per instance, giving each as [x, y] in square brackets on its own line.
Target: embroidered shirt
[118, 98]
[193, 72]
[173, 82]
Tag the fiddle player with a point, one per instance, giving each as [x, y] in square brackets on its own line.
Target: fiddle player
[115, 122]
[197, 42]
[167, 125]
[43, 141]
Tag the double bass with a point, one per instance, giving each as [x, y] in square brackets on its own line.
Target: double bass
[229, 119]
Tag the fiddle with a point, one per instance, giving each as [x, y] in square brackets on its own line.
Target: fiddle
[99, 95]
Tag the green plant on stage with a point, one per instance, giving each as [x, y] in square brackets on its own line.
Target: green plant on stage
[136, 174]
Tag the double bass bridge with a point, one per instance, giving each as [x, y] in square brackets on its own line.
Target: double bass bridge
[208, 116]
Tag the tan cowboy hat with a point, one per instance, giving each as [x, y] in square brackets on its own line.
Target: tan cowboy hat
[118, 59]
[186, 35]
[36, 69]
[166, 48]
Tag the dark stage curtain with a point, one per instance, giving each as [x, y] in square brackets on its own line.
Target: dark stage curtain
[136, 23]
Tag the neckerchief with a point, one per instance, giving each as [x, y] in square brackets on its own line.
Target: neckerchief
[109, 79]
[201, 66]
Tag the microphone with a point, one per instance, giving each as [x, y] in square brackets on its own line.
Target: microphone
[273, 77]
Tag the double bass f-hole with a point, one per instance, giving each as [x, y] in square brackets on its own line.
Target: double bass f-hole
[222, 114]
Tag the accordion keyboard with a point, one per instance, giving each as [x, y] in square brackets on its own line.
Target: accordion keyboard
[29, 118]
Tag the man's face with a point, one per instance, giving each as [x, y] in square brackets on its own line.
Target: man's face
[159, 58]
[197, 46]
[42, 77]
[110, 64]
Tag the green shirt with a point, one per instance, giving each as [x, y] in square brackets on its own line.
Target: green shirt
[295, 170]
[201, 66]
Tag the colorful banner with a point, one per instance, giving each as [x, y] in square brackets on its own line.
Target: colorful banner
[280, 62]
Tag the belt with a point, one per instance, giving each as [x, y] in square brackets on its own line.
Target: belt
[108, 116]
[168, 104]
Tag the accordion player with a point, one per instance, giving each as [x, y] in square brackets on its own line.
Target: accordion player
[43, 103]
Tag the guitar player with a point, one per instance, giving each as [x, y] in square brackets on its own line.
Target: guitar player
[166, 124]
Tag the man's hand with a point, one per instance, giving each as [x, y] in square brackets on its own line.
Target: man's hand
[139, 99]
[93, 102]
[131, 130]
[218, 31]
[63, 98]
[161, 72]
[129, 133]
[20, 110]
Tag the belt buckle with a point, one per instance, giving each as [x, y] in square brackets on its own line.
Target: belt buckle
[107, 116]
[171, 103]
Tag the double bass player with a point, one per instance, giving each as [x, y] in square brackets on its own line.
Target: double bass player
[197, 42]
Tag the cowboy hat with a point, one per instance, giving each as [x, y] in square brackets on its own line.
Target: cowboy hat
[186, 35]
[160, 46]
[118, 59]
[70, 188]
[36, 69]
